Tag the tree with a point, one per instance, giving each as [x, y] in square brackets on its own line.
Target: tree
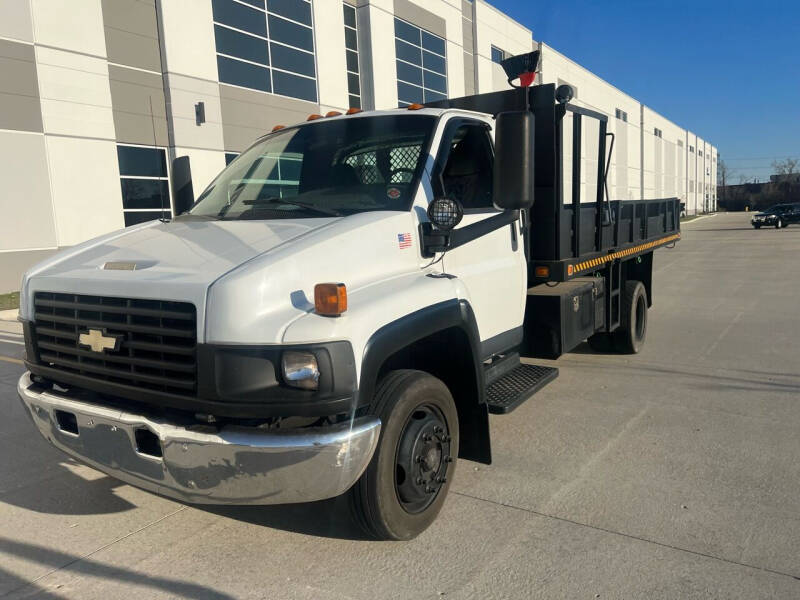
[723, 176]
[787, 166]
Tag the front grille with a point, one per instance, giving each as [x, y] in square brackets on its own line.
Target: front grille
[157, 343]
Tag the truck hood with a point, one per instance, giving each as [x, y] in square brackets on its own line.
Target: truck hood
[176, 260]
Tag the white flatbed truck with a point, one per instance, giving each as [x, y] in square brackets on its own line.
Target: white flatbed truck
[341, 309]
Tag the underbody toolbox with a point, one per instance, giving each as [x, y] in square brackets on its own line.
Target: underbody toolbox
[559, 317]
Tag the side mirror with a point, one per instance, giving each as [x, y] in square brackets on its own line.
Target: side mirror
[445, 213]
[513, 160]
[182, 192]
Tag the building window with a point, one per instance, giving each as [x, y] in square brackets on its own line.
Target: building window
[351, 50]
[498, 55]
[145, 183]
[421, 64]
[269, 48]
[229, 156]
[680, 143]
[699, 153]
[657, 132]
[691, 149]
[622, 115]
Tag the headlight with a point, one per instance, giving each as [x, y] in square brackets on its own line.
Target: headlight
[300, 370]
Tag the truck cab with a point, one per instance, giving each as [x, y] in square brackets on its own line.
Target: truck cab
[339, 311]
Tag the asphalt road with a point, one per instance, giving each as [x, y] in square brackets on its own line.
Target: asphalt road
[671, 474]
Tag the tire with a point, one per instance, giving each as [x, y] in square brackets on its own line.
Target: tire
[756, 226]
[405, 484]
[601, 342]
[629, 338]
[778, 224]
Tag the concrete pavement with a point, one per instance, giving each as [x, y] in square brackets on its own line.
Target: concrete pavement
[671, 474]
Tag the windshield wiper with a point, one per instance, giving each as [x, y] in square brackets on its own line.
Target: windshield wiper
[276, 200]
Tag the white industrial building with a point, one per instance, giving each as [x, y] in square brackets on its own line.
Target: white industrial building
[98, 96]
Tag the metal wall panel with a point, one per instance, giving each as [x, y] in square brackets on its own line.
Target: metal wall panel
[19, 88]
[131, 93]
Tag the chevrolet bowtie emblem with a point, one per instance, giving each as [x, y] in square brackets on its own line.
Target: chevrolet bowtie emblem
[98, 341]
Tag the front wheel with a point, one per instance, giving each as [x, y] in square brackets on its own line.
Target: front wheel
[778, 224]
[405, 485]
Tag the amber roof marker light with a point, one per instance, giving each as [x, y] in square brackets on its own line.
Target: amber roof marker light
[353, 111]
[313, 117]
[278, 128]
[333, 113]
[415, 106]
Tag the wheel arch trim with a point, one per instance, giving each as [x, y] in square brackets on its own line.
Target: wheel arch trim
[409, 329]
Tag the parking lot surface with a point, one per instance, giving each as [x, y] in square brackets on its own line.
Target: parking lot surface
[674, 473]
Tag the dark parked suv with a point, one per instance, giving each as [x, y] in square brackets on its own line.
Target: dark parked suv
[778, 216]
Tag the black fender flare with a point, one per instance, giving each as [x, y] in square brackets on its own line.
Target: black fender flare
[401, 333]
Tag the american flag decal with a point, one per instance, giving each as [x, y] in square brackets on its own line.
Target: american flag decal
[404, 240]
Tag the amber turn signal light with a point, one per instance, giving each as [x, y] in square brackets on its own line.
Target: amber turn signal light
[353, 111]
[332, 113]
[415, 106]
[313, 117]
[542, 272]
[278, 128]
[330, 299]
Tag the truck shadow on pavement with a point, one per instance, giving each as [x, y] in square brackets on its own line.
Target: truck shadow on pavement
[73, 495]
[81, 566]
[326, 518]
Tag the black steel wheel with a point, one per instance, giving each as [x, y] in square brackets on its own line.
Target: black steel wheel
[406, 482]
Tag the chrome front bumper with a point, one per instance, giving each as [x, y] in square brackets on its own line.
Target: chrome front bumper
[235, 465]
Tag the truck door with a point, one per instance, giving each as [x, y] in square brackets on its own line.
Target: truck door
[492, 267]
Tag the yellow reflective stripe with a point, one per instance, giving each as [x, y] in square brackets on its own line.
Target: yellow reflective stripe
[596, 262]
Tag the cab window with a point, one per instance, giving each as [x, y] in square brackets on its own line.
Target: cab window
[467, 174]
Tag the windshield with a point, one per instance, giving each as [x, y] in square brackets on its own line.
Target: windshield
[328, 168]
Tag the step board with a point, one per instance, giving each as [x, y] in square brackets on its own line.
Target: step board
[517, 386]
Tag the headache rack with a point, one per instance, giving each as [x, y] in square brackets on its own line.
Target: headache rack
[569, 239]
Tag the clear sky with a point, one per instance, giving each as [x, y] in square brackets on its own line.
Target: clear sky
[727, 70]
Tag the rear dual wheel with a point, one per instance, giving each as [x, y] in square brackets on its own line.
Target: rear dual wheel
[629, 337]
[405, 485]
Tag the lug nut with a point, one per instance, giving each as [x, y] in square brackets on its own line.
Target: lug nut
[420, 481]
[441, 480]
[446, 438]
[429, 490]
[417, 459]
[448, 459]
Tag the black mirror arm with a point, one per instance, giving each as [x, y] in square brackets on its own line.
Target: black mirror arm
[435, 240]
